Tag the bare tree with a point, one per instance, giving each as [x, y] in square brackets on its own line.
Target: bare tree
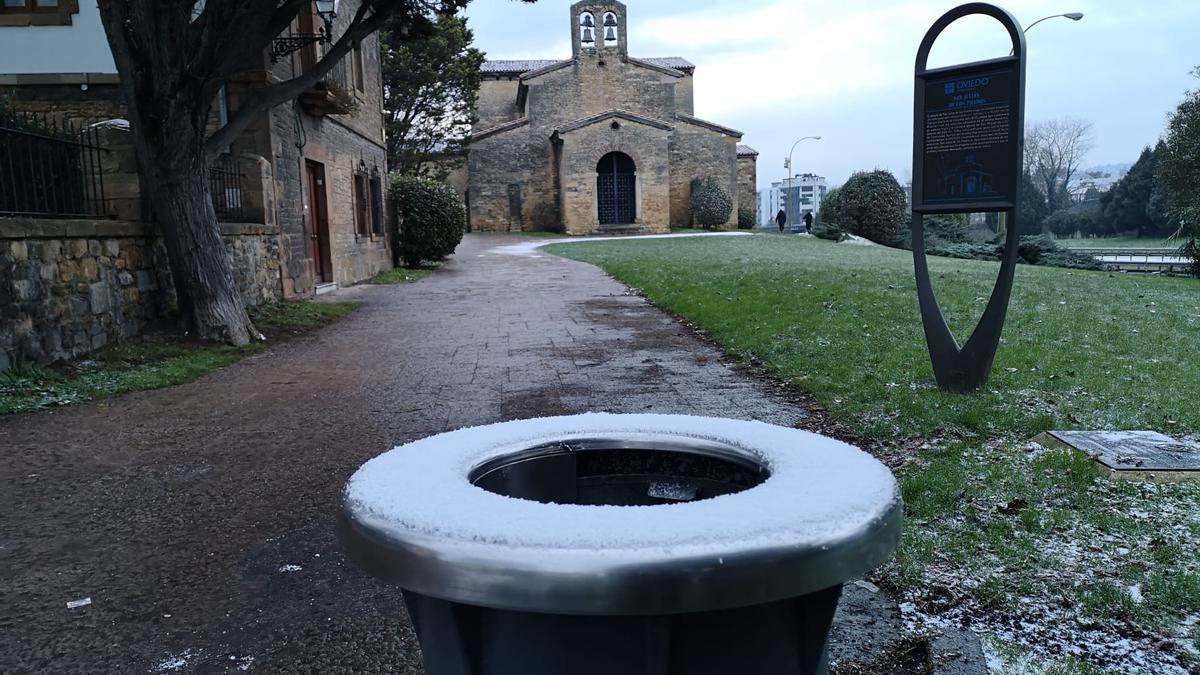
[172, 57]
[1054, 150]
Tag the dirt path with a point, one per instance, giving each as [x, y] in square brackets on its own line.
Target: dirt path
[198, 519]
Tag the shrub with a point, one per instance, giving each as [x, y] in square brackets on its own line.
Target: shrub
[940, 230]
[827, 230]
[1036, 250]
[745, 218]
[951, 227]
[710, 203]
[830, 205]
[544, 218]
[429, 222]
[871, 204]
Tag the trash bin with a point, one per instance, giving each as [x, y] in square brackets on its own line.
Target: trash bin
[618, 544]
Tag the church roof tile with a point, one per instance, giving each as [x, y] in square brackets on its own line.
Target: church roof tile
[519, 66]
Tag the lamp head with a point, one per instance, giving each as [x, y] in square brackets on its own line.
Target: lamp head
[1074, 16]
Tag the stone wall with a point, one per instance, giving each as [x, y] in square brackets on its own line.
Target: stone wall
[696, 152]
[497, 101]
[69, 287]
[582, 150]
[747, 183]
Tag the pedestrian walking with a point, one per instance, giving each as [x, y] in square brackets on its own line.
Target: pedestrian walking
[781, 220]
[808, 222]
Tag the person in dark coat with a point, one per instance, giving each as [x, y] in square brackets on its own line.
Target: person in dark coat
[781, 220]
[808, 222]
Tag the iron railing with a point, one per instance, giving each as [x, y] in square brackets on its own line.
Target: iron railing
[225, 186]
[49, 168]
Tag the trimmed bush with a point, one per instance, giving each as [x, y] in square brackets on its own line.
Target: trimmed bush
[831, 203]
[430, 219]
[871, 204]
[940, 230]
[745, 218]
[826, 230]
[710, 203]
[1036, 250]
[544, 218]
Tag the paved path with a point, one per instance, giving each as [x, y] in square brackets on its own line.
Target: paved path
[198, 519]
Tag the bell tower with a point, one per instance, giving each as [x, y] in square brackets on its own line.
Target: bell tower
[598, 29]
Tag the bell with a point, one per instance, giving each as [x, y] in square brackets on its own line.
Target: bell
[587, 21]
[588, 36]
[610, 20]
[610, 34]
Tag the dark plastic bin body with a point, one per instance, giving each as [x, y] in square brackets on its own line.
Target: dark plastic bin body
[787, 637]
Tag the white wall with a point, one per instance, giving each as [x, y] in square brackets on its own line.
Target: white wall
[78, 48]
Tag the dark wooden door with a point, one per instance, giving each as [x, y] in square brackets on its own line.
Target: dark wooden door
[616, 189]
[316, 214]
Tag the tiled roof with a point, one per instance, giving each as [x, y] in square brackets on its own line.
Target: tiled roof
[746, 151]
[672, 62]
[518, 66]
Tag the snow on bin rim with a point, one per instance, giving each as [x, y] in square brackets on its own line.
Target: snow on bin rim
[820, 491]
[828, 513]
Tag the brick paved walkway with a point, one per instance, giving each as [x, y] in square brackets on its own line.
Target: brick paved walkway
[180, 512]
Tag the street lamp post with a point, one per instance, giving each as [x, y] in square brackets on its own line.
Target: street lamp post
[1074, 16]
[787, 200]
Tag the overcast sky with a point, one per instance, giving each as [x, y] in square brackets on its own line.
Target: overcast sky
[778, 70]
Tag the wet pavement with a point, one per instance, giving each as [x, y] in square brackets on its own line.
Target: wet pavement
[199, 519]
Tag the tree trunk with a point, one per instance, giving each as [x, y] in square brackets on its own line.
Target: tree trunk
[204, 283]
[169, 106]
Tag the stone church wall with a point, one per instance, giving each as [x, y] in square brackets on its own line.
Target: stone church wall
[510, 174]
[578, 91]
[697, 152]
[497, 102]
[583, 149]
[747, 184]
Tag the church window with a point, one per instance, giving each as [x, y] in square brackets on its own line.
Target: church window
[587, 30]
[610, 29]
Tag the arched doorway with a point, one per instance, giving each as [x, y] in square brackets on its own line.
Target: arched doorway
[616, 189]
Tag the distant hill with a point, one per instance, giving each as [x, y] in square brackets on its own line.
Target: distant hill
[1115, 170]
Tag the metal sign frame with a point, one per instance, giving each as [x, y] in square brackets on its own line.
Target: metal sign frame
[966, 369]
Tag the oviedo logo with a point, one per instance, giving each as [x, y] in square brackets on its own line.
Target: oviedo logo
[964, 85]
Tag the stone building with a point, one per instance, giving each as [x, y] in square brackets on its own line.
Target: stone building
[598, 142]
[299, 194]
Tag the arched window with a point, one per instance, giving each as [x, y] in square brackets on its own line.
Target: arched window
[587, 29]
[610, 29]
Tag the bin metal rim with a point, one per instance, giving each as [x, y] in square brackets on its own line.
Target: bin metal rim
[634, 582]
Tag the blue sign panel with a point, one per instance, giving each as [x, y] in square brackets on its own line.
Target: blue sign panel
[970, 138]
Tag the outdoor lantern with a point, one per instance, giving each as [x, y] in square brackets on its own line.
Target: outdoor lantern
[328, 11]
[286, 44]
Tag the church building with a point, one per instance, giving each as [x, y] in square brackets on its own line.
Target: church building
[601, 142]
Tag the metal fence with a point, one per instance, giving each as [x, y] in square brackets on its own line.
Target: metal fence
[49, 168]
[225, 186]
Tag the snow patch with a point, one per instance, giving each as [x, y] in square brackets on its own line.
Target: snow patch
[820, 491]
[290, 568]
[175, 661]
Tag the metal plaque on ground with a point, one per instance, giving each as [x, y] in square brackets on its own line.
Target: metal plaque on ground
[1134, 453]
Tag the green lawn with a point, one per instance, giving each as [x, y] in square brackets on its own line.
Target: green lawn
[995, 527]
[150, 362]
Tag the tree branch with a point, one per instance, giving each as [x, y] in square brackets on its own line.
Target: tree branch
[272, 95]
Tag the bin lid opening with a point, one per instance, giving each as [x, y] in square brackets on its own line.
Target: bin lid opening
[620, 472]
